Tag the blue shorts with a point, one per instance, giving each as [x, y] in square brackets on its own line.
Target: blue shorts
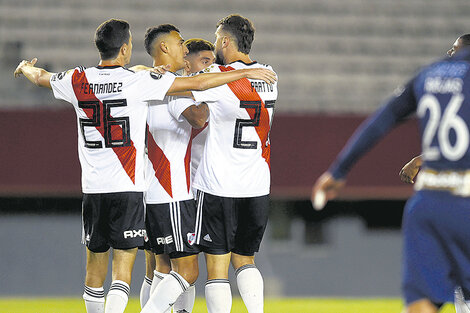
[436, 250]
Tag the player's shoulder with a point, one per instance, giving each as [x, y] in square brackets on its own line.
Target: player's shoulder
[152, 76]
[254, 64]
[61, 75]
[213, 68]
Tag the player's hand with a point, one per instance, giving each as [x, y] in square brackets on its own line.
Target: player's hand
[410, 170]
[19, 68]
[263, 74]
[161, 69]
[325, 188]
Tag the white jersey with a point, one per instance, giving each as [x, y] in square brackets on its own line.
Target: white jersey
[111, 107]
[236, 158]
[197, 148]
[169, 151]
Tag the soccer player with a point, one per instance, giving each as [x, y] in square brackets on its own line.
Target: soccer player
[411, 169]
[171, 209]
[200, 55]
[110, 103]
[233, 178]
[436, 255]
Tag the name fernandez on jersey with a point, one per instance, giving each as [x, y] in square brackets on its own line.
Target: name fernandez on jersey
[93, 89]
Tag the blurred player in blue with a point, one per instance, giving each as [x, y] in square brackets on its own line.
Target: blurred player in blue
[410, 169]
[436, 256]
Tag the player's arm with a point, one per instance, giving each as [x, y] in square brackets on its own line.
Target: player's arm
[36, 75]
[161, 69]
[210, 80]
[411, 169]
[197, 115]
[365, 137]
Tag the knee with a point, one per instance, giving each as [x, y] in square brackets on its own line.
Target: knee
[190, 276]
[241, 260]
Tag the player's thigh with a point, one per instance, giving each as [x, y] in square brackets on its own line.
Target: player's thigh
[171, 227]
[123, 263]
[96, 268]
[217, 265]
[455, 233]
[216, 223]
[95, 228]
[252, 220]
[125, 219]
[427, 266]
[187, 266]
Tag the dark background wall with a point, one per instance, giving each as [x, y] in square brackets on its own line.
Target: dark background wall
[39, 155]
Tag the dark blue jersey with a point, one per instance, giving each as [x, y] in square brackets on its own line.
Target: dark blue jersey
[440, 95]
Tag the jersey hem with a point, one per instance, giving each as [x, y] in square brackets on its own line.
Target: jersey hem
[173, 200]
[230, 195]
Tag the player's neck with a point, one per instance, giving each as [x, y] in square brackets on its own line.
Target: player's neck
[164, 60]
[117, 61]
[238, 56]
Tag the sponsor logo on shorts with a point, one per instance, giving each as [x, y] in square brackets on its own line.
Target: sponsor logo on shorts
[135, 233]
[191, 238]
[164, 240]
[207, 238]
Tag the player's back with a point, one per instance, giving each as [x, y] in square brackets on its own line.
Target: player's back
[236, 158]
[110, 103]
[442, 92]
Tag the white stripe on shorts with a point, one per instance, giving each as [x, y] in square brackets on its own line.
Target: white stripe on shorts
[176, 225]
[200, 198]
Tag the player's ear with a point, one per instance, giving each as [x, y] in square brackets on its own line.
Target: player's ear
[225, 41]
[124, 48]
[164, 47]
[186, 66]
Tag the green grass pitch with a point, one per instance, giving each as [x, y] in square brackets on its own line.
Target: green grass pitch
[284, 305]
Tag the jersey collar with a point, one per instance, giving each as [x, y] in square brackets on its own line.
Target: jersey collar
[251, 63]
[101, 67]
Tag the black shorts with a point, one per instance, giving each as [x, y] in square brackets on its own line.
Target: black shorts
[113, 220]
[171, 228]
[231, 224]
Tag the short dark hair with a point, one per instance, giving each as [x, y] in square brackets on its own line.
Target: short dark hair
[241, 28]
[196, 45]
[110, 36]
[465, 39]
[155, 31]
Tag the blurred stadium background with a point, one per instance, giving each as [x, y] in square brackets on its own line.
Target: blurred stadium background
[337, 60]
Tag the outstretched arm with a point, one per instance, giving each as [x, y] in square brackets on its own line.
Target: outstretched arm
[365, 137]
[38, 76]
[210, 80]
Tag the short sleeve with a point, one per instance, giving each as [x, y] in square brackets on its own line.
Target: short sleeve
[61, 84]
[177, 106]
[154, 86]
[212, 94]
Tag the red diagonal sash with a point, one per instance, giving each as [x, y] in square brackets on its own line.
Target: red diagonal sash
[160, 163]
[243, 91]
[126, 155]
